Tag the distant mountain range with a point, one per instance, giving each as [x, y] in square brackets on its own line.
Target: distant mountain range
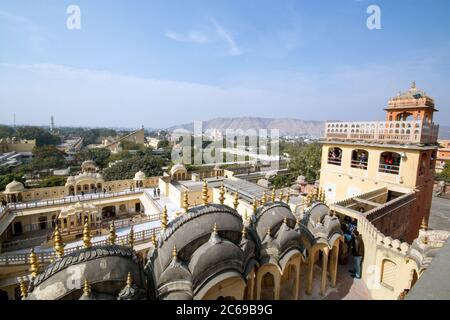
[287, 126]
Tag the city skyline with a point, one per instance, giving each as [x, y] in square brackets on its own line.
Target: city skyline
[162, 64]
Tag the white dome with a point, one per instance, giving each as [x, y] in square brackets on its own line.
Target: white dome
[14, 187]
[177, 168]
[139, 176]
[99, 176]
[71, 179]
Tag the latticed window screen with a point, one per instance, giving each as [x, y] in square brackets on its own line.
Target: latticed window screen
[388, 275]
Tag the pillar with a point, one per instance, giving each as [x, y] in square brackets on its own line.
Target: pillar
[297, 279]
[310, 272]
[250, 290]
[323, 283]
[258, 286]
[334, 264]
[277, 280]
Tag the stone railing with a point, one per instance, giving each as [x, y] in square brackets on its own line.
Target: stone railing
[47, 256]
[412, 132]
[70, 199]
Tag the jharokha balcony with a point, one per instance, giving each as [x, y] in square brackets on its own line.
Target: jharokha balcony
[401, 132]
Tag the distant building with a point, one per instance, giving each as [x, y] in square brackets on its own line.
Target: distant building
[16, 144]
[443, 154]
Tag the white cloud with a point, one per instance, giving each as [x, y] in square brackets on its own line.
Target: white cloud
[213, 33]
[234, 50]
[192, 36]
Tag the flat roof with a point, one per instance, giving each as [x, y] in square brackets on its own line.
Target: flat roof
[382, 145]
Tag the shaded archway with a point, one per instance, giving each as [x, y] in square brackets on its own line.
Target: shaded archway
[268, 287]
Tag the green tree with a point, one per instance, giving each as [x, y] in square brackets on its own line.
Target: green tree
[47, 157]
[43, 137]
[307, 162]
[5, 179]
[163, 144]
[445, 173]
[149, 164]
[99, 156]
[53, 181]
[6, 131]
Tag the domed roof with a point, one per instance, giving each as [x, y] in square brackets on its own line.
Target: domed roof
[99, 176]
[178, 167]
[70, 180]
[213, 256]
[108, 264]
[271, 216]
[139, 176]
[88, 163]
[14, 187]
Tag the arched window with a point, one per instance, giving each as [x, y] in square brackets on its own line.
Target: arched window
[389, 162]
[360, 159]
[433, 160]
[388, 273]
[267, 287]
[335, 156]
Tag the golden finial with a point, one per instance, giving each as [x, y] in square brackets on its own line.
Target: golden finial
[281, 195]
[185, 202]
[255, 205]
[222, 194]
[236, 200]
[245, 215]
[131, 237]
[59, 247]
[154, 243]
[112, 234]
[87, 288]
[285, 220]
[244, 231]
[424, 225]
[215, 227]
[288, 197]
[86, 235]
[308, 200]
[174, 251]
[268, 232]
[164, 218]
[34, 266]
[23, 290]
[205, 193]
[272, 198]
[129, 280]
[316, 194]
[264, 199]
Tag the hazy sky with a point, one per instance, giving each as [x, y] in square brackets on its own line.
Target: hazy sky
[161, 63]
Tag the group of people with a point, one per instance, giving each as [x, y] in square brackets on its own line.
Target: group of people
[353, 243]
[156, 192]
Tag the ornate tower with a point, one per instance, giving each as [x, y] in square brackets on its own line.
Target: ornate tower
[398, 154]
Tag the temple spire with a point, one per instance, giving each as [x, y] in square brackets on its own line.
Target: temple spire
[129, 280]
[205, 193]
[23, 290]
[272, 198]
[255, 205]
[34, 266]
[112, 234]
[59, 247]
[86, 235]
[131, 237]
[154, 242]
[222, 194]
[164, 218]
[264, 199]
[236, 200]
[185, 202]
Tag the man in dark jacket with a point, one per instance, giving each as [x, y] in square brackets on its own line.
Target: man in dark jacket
[358, 254]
